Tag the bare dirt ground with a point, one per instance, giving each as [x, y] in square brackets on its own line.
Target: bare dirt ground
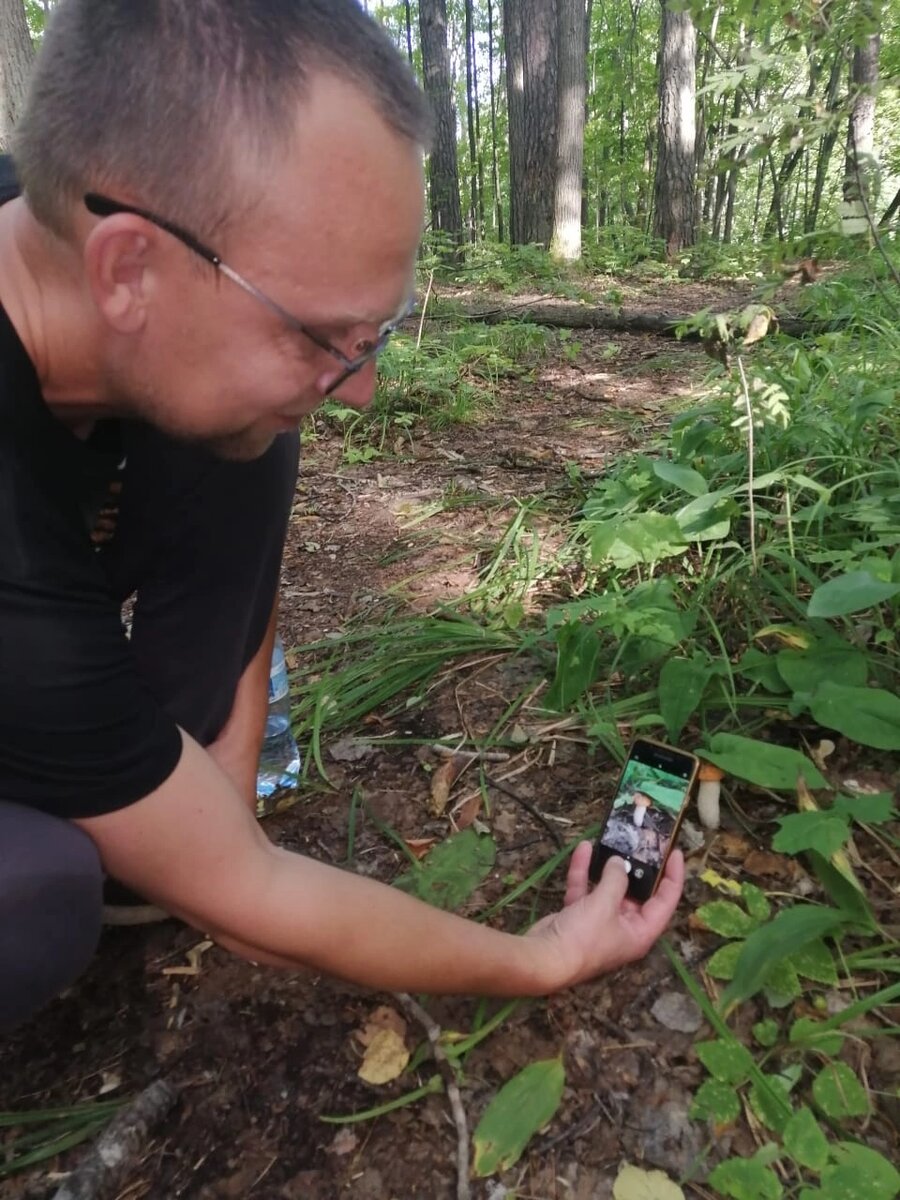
[259, 1056]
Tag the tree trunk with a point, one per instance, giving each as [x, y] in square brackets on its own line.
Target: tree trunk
[531, 72]
[572, 66]
[16, 56]
[409, 42]
[674, 191]
[861, 165]
[495, 163]
[443, 169]
[470, 125]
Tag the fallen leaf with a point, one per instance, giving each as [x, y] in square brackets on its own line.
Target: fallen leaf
[731, 845]
[384, 1017]
[385, 1059]
[469, 811]
[419, 847]
[193, 957]
[111, 1082]
[443, 780]
[350, 750]
[633, 1183]
[763, 862]
[720, 883]
[523, 1105]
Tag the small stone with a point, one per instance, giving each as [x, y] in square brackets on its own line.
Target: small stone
[677, 1012]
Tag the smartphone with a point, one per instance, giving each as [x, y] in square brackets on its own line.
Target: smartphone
[651, 797]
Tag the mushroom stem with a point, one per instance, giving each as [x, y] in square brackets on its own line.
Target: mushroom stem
[708, 803]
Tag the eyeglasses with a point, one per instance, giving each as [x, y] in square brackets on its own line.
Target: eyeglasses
[103, 206]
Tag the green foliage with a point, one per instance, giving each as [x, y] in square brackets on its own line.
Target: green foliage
[452, 871]
[522, 1106]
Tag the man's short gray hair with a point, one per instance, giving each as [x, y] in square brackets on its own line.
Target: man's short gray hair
[164, 98]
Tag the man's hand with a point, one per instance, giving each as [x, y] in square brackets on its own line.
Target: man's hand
[600, 930]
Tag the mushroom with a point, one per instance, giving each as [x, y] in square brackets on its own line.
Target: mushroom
[708, 794]
[641, 804]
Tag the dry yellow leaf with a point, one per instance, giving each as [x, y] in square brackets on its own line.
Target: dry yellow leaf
[720, 883]
[443, 780]
[384, 1017]
[633, 1183]
[385, 1058]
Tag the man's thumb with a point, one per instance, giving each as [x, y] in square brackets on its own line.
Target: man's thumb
[614, 881]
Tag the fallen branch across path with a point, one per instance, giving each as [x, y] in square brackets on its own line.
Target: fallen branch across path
[560, 315]
[118, 1147]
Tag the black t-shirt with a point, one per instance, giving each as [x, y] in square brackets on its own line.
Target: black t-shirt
[88, 719]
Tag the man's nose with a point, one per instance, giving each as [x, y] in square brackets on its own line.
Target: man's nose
[356, 390]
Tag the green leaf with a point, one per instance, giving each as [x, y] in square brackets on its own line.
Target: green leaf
[805, 1141]
[842, 892]
[577, 656]
[769, 1099]
[452, 871]
[816, 962]
[762, 763]
[725, 918]
[723, 963]
[809, 1033]
[756, 901]
[850, 593]
[871, 810]
[762, 669]
[766, 1032]
[804, 670]
[708, 518]
[820, 831]
[789, 932]
[647, 538]
[681, 685]
[746, 1179]
[860, 1173]
[684, 478]
[870, 716]
[782, 985]
[716, 1101]
[522, 1106]
[839, 1093]
[727, 1061]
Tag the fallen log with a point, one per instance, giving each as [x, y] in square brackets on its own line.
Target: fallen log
[562, 315]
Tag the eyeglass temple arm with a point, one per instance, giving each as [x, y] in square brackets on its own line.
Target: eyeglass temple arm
[100, 206]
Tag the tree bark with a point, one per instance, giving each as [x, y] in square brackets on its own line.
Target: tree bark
[861, 166]
[531, 72]
[572, 72]
[495, 164]
[826, 146]
[16, 57]
[674, 191]
[443, 168]
[409, 41]
[470, 125]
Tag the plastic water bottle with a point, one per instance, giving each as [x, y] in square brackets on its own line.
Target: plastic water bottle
[279, 759]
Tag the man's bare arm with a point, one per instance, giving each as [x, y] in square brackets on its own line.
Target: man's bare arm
[194, 848]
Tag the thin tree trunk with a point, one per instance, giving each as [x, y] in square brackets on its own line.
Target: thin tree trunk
[443, 169]
[891, 210]
[826, 146]
[495, 164]
[409, 41]
[470, 124]
[16, 57]
[861, 165]
[674, 190]
[566, 241]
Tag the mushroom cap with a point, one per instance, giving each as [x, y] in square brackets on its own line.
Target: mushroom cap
[642, 799]
[709, 772]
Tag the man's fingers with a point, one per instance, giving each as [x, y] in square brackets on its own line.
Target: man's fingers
[577, 879]
[613, 883]
[658, 911]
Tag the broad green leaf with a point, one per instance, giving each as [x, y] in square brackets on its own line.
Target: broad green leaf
[789, 932]
[522, 1106]
[577, 656]
[681, 685]
[782, 985]
[870, 716]
[762, 763]
[842, 892]
[647, 538]
[725, 918]
[770, 1100]
[708, 518]
[766, 1032]
[756, 901]
[762, 669]
[746, 1179]
[805, 1141]
[839, 1093]
[681, 477]
[723, 963]
[850, 593]
[860, 1173]
[634, 1183]
[871, 810]
[452, 871]
[727, 1061]
[809, 1033]
[821, 831]
[816, 962]
[804, 670]
[716, 1101]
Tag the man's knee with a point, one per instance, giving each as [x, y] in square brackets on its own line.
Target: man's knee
[51, 885]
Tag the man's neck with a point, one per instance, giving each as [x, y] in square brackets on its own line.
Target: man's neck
[43, 292]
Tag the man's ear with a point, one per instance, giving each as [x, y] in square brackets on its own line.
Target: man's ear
[119, 257]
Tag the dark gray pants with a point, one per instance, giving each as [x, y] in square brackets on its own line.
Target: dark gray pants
[51, 886]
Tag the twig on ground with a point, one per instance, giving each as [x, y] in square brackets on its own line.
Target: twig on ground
[529, 808]
[119, 1145]
[433, 1030]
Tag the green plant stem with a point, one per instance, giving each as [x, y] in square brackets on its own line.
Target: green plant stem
[433, 1087]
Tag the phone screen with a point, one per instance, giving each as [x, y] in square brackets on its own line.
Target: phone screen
[645, 814]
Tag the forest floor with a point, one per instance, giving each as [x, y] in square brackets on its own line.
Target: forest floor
[259, 1056]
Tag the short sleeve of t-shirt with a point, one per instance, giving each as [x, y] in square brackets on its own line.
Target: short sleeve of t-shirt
[80, 732]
